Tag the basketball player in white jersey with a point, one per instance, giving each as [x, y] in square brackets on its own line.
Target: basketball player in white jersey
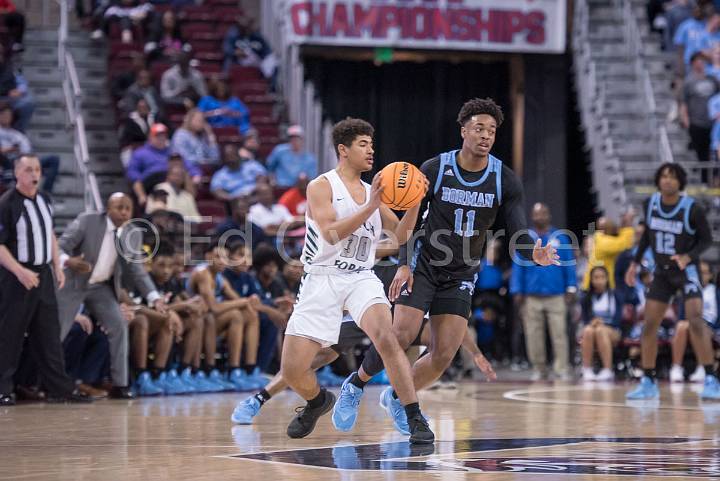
[344, 220]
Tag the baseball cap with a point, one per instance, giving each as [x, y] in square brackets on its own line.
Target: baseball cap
[295, 131]
[158, 129]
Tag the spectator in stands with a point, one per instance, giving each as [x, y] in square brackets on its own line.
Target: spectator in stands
[165, 41]
[135, 130]
[137, 125]
[240, 226]
[607, 244]
[689, 35]
[195, 140]
[182, 84]
[713, 67]
[287, 161]
[87, 354]
[233, 316]
[699, 87]
[21, 103]
[295, 199]
[149, 164]
[270, 215]
[95, 266]
[675, 13]
[179, 200]
[143, 88]
[127, 13]
[244, 45]
[251, 142]
[224, 110]
[601, 313]
[238, 176]
[122, 81]
[156, 201]
[546, 291]
[711, 35]
[711, 301]
[14, 23]
[13, 144]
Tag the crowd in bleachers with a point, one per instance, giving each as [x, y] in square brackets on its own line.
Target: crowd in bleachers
[692, 28]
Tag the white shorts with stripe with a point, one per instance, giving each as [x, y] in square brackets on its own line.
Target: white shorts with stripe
[318, 313]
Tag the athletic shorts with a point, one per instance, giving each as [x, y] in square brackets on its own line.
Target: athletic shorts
[437, 292]
[667, 281]
[322, 298]
[351, 336]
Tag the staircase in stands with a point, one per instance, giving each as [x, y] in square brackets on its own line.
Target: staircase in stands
[47, 131]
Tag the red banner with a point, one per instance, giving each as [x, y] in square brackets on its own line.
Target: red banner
[490, 25]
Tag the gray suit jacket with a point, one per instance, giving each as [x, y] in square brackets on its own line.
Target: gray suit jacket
[85, 235]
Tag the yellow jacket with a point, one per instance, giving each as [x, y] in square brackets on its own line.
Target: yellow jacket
[604, 251]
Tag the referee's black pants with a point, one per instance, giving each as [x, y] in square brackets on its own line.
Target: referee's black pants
[34, 311]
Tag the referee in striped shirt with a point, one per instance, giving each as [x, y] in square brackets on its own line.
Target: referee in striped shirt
[28, 247]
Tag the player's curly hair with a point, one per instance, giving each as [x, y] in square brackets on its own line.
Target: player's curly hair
[676, 170]
[478, 106]
[345, 131]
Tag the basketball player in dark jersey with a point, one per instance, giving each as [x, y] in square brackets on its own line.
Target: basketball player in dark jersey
[677, 231]
[469, 188]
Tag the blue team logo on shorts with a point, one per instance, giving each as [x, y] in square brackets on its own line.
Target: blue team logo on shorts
[467, 285]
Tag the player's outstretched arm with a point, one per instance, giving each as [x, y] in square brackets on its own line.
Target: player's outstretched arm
[320, 210]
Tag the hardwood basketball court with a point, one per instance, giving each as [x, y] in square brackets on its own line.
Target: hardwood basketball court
[484, 431]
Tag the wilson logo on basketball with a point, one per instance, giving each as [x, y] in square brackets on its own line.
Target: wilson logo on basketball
[402, 178]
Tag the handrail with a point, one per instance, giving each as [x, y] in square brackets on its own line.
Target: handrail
[73, 101]
[635, 52]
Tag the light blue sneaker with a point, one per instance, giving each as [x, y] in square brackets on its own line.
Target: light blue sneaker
[646, 390]
[240, 381]
[395, 410]
[346, 407]
[380, 378]
[171, 383]
[201, 382]
[711, 390]
[245, 411]
[257, 378]
[225, 384]
[144, 386]
[186, 377]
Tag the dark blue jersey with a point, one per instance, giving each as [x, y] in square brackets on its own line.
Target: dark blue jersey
[459, 209]
[681, 228]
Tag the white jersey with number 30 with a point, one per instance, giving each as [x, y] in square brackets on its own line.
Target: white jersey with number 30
[352, 254]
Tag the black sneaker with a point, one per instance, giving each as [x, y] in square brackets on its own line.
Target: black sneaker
[75, 397]
[420, 432]
[304, 423]
[7, 399]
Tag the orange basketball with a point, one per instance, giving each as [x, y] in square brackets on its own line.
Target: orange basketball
[404, 185]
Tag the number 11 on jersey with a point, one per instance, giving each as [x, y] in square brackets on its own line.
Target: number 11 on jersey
[469, 225]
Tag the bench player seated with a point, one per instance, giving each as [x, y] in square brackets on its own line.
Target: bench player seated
[275, 302]
[601, 315]
[682, 328]
[230, 316]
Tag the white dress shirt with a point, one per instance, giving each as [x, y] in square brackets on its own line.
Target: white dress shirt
[105, 264]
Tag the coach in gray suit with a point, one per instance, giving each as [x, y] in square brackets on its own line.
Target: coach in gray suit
[99, 254]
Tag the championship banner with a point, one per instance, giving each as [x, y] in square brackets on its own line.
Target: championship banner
[533, 26]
